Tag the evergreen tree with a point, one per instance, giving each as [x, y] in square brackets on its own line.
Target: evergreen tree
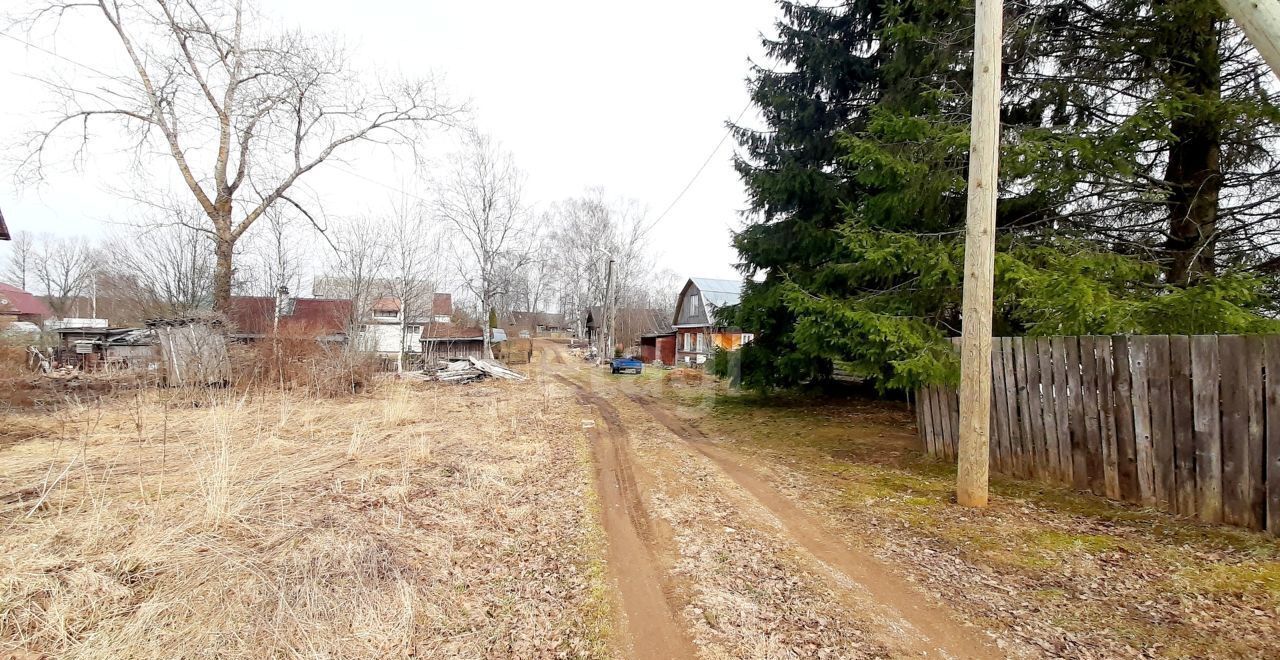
[859, 185]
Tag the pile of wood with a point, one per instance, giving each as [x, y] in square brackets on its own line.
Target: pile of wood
[470, 370]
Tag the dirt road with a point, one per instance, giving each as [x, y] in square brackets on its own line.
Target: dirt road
[711, 560]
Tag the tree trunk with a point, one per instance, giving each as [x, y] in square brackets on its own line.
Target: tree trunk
[485, 330]
[222, 249]
[1194, 171]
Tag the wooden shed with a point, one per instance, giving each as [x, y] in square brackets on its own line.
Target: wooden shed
[194, 351]
[658, 347]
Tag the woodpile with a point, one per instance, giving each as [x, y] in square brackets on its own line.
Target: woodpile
[467, 371]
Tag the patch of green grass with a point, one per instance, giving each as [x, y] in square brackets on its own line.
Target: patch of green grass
[1251, 578]
[1063, 542]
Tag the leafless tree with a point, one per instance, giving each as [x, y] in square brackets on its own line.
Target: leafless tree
[65, 268]
[19, 265]
[413, 253]
[481, 200]
[160, 268]
[358, 266]
[242, 115]
[278, 253]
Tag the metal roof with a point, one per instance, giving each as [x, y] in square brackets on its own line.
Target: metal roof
[718, 293]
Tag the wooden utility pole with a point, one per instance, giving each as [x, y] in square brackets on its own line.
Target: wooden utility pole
[1260, 20]
[979, 258]
[605, 323]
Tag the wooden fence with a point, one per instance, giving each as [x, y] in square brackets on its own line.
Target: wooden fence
[1189, 425]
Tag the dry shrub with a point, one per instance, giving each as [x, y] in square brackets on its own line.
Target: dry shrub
[294, 360]
[684, 375]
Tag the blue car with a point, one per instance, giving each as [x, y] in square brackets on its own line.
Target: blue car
[622, 365]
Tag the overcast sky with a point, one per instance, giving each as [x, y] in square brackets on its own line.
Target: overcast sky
[631, 97]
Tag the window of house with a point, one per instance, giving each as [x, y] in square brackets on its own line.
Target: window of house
[688, 341]
[702, 343]
[442, 318]
[384, 314]
[415, 329]
[695, 304]
[747, 337]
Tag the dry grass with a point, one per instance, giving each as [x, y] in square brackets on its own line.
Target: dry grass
[428, 521]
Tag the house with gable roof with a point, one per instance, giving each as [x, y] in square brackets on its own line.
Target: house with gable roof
[698, 329]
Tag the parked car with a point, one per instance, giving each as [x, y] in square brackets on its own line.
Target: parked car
[621, 365]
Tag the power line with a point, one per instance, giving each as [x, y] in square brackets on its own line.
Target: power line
[706, 162]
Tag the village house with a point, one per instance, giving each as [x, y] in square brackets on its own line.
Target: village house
[629, 325]
[441, 342]
[537, 324]
[255, 317]
[698, 331]
[18, 306]
[4, 229]
[383, 329]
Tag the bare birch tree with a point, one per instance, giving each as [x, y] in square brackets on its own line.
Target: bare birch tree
[64, 268]
[242, 115]
[160, 269]
[481, 200]
[19, 265]
[412, 267]
[278, 253]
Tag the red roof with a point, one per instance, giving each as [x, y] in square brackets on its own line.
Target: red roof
[442, 304]
[450, 331]
[16, 301]
[254, 315]
[386, 305]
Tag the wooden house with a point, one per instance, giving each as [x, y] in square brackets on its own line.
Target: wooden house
[698, 330]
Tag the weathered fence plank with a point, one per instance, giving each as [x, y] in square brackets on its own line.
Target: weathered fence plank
[1014, 446]
[1049, 410]
[1235, 429]
[1207, 427]
[1061, 403]
[1107, 412]
[1024, 407]
[1035, 408]
[1141, 404]
[1184, 443]
[1092, 415]
[1159, 385]
[1079, 441]
[1255, 451]
[1272, 458]
[1000, 408]
[1126, 451]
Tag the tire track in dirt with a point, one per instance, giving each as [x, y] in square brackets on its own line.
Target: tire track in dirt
[653, 630]
[921, 628]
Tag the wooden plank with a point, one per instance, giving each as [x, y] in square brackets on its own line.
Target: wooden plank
[939, 419]
[915, 405]
[1107, 416]
[1143, 450]
[1052, 468]
[1207, 427]
[1092, 415]
[1122, 402]
[1272, 458]
[1024, 415]
[1034, 408]
[1184, 445]
[1062, 407]
[1000, 408]
[1159, 388]
[1011, 404]
[1235, 429]
[954, 401]
[926, 419]
[1079, 437]
[1255, 488]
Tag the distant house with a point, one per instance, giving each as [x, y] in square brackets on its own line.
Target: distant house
[254, 317]
[629, 325]
[380, 330]
[17, 305]
[537, 324]
[4, 229]
[698, 331]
